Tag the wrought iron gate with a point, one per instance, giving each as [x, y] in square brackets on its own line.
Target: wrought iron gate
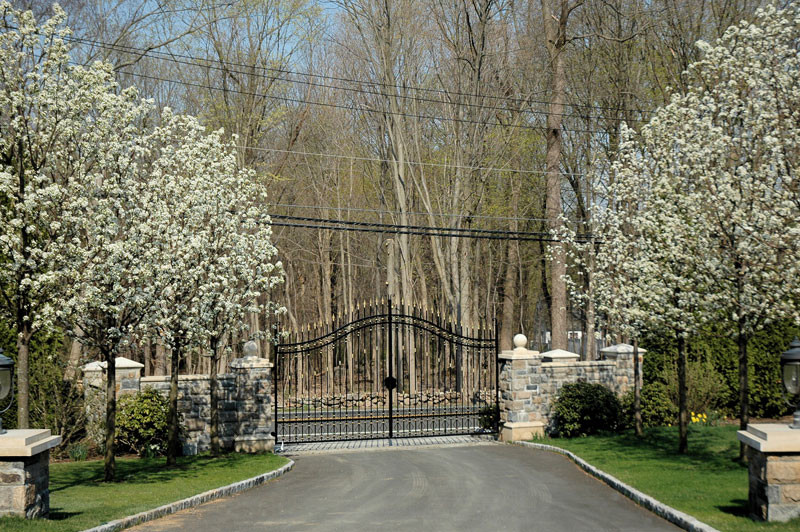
[385, 371]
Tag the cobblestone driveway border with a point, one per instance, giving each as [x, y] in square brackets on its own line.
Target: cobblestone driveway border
[191, 502]
[685, 521]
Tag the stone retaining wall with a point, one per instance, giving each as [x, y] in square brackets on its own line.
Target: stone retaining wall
[194, 405]
[530, 385]
[246, 419]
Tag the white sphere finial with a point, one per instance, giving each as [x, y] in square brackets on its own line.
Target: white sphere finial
[250, 349]
[520, 341]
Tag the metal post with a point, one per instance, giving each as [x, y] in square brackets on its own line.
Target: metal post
[496, 378]
[391, 370]
[276, 382]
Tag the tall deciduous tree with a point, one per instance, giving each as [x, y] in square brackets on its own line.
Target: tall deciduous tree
[742, 142]
[56, 121]
[110, 260]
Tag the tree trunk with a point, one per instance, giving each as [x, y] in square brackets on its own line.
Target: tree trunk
[555, 34]
[637, 390]
[509, 294]
[23, 384]
[683, 411]
[109, 462]
[744, 386]
[161, 361]
[147, 353]
[75, 351]
[173, 429]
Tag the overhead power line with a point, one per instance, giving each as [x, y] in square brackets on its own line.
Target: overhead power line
[415, 163]
[287, 99]
[224, 67]
[391, 227]
[396, 229]
[186, 58]
[383, 211]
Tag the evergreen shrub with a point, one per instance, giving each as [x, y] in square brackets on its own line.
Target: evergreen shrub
[142, 423]
[583, 409]
[658, 409]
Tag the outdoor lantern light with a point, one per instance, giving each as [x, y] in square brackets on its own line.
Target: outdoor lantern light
[6, 371]
[790, 371]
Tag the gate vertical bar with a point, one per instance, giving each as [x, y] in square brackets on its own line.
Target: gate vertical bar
[496, 378]
[277, 381]
[390, 356]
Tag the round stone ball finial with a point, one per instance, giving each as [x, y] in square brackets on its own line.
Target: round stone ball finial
[250, 349]
[520, 341]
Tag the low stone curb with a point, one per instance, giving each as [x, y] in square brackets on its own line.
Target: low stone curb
[191, 502]
[676, 517]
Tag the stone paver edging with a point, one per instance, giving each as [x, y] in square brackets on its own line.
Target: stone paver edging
[196, 500]
[685, 521]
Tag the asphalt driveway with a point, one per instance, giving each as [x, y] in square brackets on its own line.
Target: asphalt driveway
[475, 487]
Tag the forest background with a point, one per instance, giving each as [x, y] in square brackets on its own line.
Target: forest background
[430, 113]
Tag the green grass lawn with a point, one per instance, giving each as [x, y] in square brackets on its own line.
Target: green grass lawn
[708, 483]
[79, 499]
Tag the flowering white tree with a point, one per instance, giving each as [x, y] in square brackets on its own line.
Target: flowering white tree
[55, 129]
[110, 259]
[213, 245]
[239, 272]
[646, 274]
[702, 219]
[743, 141]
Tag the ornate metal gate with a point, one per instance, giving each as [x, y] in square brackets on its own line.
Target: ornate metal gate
[385, 371]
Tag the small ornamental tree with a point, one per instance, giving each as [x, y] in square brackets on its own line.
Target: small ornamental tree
[111, 260]
[45, 144]
[742, 138]
[239, 273]
[214, 249]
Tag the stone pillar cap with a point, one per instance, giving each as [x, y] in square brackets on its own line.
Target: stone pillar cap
[621, 349]
[121, 363]
[771, 438]
[27, 442]
[559, 355]
[241, 363]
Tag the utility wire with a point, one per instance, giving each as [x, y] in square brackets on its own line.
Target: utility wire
[356, 108]
[419, 163]
[416, 227]
[383, 211]
[398, 231]
[190, 60]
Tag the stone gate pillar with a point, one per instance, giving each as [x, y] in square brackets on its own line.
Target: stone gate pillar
[519, 392]
[773, 455]
[255, 421]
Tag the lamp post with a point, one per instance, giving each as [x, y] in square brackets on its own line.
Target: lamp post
[6, 373]
[790, 372]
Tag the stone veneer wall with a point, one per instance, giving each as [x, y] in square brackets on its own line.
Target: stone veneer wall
[194, 406]
[24, 483]
[774, 485]
[246, 419]
[529, 386]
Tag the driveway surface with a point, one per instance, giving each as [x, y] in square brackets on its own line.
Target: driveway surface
[476, 487]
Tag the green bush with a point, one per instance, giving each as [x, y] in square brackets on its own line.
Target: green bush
[713, 371]
[583, 409]
[658, 409]
[142, 423]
